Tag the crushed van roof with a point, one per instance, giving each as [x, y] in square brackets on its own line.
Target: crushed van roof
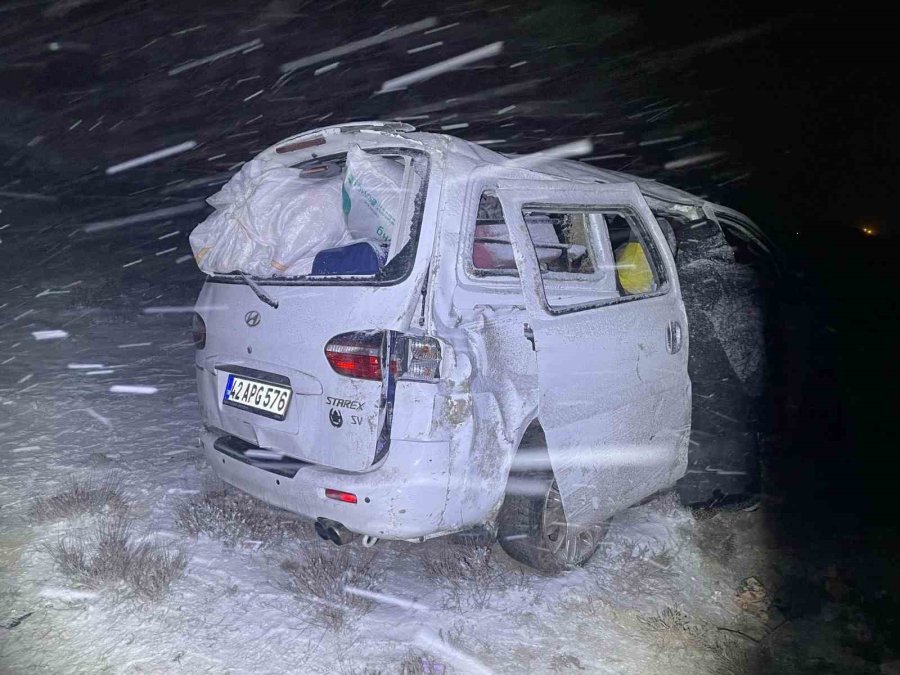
[560, 168]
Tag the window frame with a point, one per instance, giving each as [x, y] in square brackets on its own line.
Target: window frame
[655, 257]
[595, 243]
[471, 222]
[504, 279]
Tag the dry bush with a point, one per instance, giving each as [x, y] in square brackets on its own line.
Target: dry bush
[234, 517]
[153, 568]
[565, 662]
[715, 537]
[344, 669]
[672, 628]
[106, 556]
[640, 571]
[416, 663]
[704, 512]
[589, 601]
[321, 576]
[346, 666]
[78, 497]
[455, 563]
[735, 660]
[471, 574]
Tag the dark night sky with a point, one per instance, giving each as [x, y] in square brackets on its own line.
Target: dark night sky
[808, 103]
[798, 99]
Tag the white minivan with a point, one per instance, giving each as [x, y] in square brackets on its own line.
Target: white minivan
[515, 360]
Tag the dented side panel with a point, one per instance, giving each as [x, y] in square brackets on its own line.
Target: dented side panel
[490, 379]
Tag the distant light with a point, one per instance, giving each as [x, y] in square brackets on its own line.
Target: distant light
[868, 231]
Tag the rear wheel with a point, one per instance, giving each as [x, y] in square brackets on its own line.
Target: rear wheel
[532, 527]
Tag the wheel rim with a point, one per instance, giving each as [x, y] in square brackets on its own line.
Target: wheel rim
[569, 543]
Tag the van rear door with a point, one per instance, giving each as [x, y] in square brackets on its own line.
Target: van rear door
[335, 415]
[610, 334]
[298, 365]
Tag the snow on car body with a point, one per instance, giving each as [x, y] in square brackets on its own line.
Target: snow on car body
[478, 376]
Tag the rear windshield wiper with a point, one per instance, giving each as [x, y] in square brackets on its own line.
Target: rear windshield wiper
[260, 293]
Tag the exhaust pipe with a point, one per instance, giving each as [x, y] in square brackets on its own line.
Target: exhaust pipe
[333, 531]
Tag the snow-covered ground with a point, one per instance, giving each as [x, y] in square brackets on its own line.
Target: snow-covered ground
[656, 598]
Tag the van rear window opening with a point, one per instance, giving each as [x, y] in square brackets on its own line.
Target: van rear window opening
[351, 217]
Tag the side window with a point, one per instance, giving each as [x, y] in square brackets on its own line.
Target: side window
[491, 250]
[586, 255]
[638, 271]
[599, 255]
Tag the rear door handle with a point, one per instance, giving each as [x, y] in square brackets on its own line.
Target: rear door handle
[674, 337]
[529, 335]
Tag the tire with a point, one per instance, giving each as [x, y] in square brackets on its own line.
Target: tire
[526, 529]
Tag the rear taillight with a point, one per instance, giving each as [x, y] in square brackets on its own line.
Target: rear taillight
[198, 331]
[356, 354]
[416, 358]
[360, 355]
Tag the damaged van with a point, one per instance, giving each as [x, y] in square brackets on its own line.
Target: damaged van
[404, 335]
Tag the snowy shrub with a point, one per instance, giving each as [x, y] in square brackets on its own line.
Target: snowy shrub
[673, 625]
[470, 572]
[234, 517]
[562, 662]
[716, 535]
[346, 667]
[153, 567]
[586, 601]
[634, 568]
[72, 559]
[734, 652]
[321, 577]
[456, 563]
[110, 552]
[106, 556]
[78, 497]
[422, 664]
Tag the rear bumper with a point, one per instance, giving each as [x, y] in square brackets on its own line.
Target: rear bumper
[405, 498]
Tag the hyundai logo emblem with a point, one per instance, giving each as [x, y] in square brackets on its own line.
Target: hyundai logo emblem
[252, 318]
[335, 418]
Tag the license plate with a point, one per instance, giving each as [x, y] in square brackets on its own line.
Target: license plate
[263, 398]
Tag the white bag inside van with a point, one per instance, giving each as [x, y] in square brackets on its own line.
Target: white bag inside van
[272, 220]
[372, 196]
[269, 221]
